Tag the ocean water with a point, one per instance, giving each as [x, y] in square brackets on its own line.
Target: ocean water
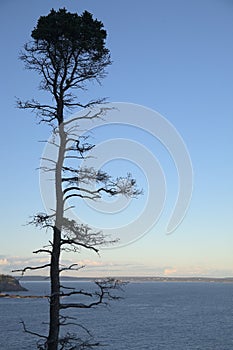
[152, 315]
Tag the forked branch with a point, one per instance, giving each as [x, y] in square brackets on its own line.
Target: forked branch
[102, 296]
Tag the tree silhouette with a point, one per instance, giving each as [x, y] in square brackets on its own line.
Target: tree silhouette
[68, 50]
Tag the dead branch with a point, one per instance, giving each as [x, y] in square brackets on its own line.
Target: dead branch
[47, 113]
[76, 292]
[99, 115]
[103, 295]
[42, 251]
[72, 342]
[65, 287]
[43, 220]
[32, 268]
[71, 267]
[79, 244]
[33, 333]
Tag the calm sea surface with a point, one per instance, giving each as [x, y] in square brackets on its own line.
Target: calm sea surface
[152, 315]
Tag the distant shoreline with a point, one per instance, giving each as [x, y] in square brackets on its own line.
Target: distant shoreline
[131, 279]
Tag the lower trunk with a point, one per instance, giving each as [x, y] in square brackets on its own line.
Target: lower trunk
[53, 337]
[54, 322]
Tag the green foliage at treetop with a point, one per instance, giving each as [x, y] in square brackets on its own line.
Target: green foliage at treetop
[69, 31]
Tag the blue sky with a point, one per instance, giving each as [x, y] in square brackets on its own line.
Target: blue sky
[175, 57]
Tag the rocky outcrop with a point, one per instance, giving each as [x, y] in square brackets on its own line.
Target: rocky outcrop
[10, 284]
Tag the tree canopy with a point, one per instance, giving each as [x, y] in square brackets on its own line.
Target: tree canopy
[67, 50]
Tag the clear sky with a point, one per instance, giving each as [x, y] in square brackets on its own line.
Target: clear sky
[172, 56]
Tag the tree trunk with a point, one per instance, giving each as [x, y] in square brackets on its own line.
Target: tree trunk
[54, 324]
[53, 337]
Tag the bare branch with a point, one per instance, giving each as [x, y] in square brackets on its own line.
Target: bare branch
[72, 342]
[81, 196]
[77, 157]
[86, 175]
[30, 332]
[103, 295]
[47, 113]
[71, 267]
[32, 268]
[87, 105]
[65, 287]
[42, 251]
[80, 292]
[79, 244]
[89, 115]
[43, 220]
[49, 160]
[75, 233]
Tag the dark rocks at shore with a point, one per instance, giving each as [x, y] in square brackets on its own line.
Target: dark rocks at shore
[10, 284]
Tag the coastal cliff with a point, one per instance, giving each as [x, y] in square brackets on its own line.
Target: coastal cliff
[10, 284]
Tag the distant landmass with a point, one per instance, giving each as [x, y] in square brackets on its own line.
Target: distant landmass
[136, 279]
[10, 284]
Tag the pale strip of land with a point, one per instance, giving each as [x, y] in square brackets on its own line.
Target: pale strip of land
[135, 279]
